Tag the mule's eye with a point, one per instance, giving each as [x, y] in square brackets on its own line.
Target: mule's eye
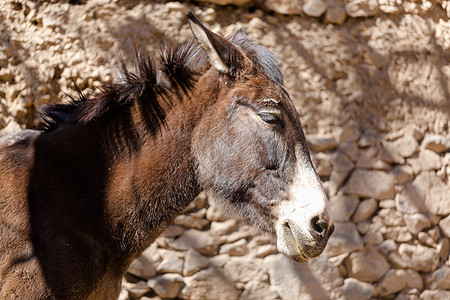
[271, 118]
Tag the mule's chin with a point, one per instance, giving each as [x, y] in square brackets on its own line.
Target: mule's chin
[298, 247]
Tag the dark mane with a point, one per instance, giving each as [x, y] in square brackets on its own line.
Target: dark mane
[179, 66]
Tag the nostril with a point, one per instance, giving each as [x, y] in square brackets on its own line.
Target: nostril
[286, 226]
[319, 225]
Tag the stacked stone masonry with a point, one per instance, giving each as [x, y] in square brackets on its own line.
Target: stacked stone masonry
[371, 80]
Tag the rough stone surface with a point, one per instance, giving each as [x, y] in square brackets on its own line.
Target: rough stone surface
[436, 143]
[211, 282]
[393, 281]
[434, 192]
[286, 7]
[416, 222]
[255, 290]
[406, 146]
[354, 289]
[314, 8]
[344, 240]
[362, 8]
[426, 161]
[439, 279]
[172, 263]
[335, 14]
[365, 209]
[166, 285]
[238, 248]
[321, 143]
[245, 269]
[367, 266]
[435, 295]
[194, 262]
[342, 207]
[202, 241]
[444, 225]
[371, 184]
[317, 279]
[419, 258]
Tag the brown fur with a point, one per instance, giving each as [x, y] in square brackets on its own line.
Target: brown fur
[82, 198]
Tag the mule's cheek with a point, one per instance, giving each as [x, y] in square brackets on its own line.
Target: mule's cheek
[303, 221]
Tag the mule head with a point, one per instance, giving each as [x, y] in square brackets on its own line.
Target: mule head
[250, 148]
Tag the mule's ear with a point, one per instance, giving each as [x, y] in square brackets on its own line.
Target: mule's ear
[224, 56]
[239, 36]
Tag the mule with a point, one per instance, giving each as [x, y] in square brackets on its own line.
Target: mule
[83, 196]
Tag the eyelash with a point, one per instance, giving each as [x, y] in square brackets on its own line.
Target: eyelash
[271, 119]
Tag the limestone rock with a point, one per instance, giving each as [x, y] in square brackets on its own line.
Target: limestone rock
[399, 234]
[202, 241]
[214, 211]
[138, 290]
[367, 266]
[144, 266]
[255, 290]
[342, 207]
[393, 281]
[362, 8]
[167, 285]
[350, 133]
[245, 269]
[406, 146]
[211, 282]
[189, 221]
[173, 231]
[345, 239]
[341, 162]
[402, 174]
[387, 246]
[444, 225]
[227, 2]
[371, 184]
[414, 280]
[389, 153]
[435, 295]
[419, 258]
[336, 15]
[320, 142]
[219, 260]
[426, 193]
[322, 163]
[373, 236]
[365, 209]
[416, 222]
[336, 180]
[434, 192]
[171, 263]
[439, 279]
[262, 251]
[354, 289]
[369, 159]
[314, 8]
[426, 161]
[350, 149]
[436, 143]
[317, 279]
[238, 248]
[286, 7]
[224, 227]
[194, 262]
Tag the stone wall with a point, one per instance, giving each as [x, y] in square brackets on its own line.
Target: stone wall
[371, 80]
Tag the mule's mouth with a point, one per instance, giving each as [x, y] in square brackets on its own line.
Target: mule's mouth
[296, 245]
